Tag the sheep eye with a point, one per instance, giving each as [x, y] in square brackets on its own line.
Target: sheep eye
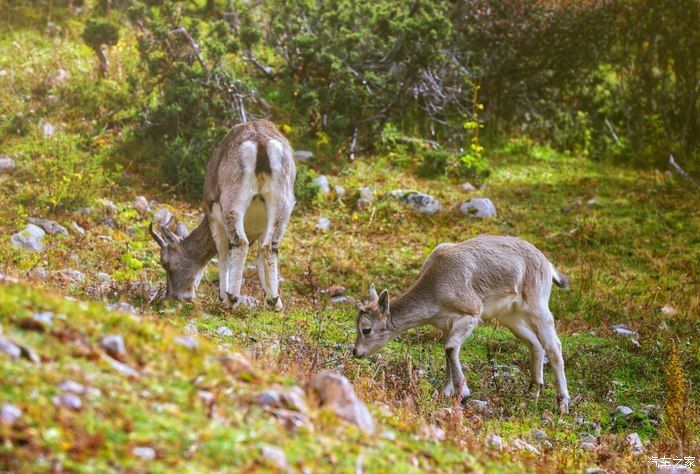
[366, 331]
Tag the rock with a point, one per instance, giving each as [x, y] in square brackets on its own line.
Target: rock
[621, 330]
[144, 452]
[9, 414]
[593, 202]
[123, 307]
[340, 300]
[39, 272]
[56, 79]
[162, 216]
[521, 445]
[121, 367]
[334, 290]
[48, 129]
[323, 224]
[72, 386]
[224, 331]
[191, 328]
[29, 353]
[107, 206]
[188, 342]
[10, 349]
[7, 164]
[635, 444]
[663, 326]
[68, 400]
[480, 208]
[294, 399]
[109, 222]
[623, 410]
[339, 190]
[52, 99]
[595, 470]
[114, 346]
[49, 226]
[677, 469]
[236, 364]
[668, 310]
[104, 278]
[467, 187]
[323, 186]
[588, 446]
[506, 372]
[588, 438]
[432, 433]
[303, 155]
[335, 392]
[77, 228]
[207, 397]
[69, 275]
[276, 457]
[366, 198]
[494, 442]
[141, 205]
[43, 320]
[419, 202]
[480, 405]
[30, 238]
[539, 435]
[268, 398]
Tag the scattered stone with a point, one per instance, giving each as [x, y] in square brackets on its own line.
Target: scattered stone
[49, 226]
[188, 342]
[339, 190]
[366, 198]
[323, 224]
[521, 445]
[58, 78]
[114, 346]
[673, 470]
[593, 202]
[303, 155]
[123, 307]
[162, 216]
[419, 202]
[30, 238]
[506, 372]
[340, 300]
[276, 456]
[52, 99]
[595, 470]
[334, 290]
[467, 187]
[68, 400]
[10, 349]
[479, 208]
[104, 278]
[144, 452]
[191, 328]
[207, 397]
[39, 272]
[323, 186]
[668, 310]
[121, 367]
[141, 205]
[269, 398]
[236, 364]
[621, 330]
[588, 446]
[224, 331]
[83, 211]
[107, 206]
[69, 275]
[294, 399]
[77, 228]
[539, 435]
[432, 433]
[494, 442]
[72, 387]
[588, 438]
[48, 129]
[624, 411]
[480, 405]
[336, 392]
[663, 326]
[635, 443]
[7, 164]
[9, 414]
[38, 321]
[109, 222]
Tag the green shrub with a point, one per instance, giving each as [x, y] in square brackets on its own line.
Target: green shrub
[435, 163]
[305, 189]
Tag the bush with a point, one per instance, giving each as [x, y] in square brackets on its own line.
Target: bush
[305, 189]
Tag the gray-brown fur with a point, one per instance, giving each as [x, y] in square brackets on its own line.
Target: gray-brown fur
[488, 277]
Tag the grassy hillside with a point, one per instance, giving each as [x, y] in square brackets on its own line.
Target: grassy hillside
[627, 239]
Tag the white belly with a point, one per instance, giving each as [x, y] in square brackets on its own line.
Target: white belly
[501, 307]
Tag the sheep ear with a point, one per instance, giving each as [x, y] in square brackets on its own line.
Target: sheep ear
[168, 234]
[373, 293]
[384, 302]
[159, 240]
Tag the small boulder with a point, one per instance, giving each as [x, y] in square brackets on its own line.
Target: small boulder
[481, 405]
[494, 442]
[521, 445]
[339, 190]
[340, 300]
[68, 400]
[188, 342]
[162, 216]
[324, 186]
[236, 364]
[303, 155]
[623, 410]
[224, 331]
[10, 349]
[48, 129]
[77, 228]
[467, 187]
[587, 438]
[123, 307]
[9, 414]
[49, 226]
[335, 392]
[69, 275]
[366, 198]
[333, 291]
[7, 164]
[30, 238]
[635, 444]
[277, 457]
[621, 330]
[668, 310]
[121, 367]
[56, 79]
[107, 206]
[323, 224]
[114, 346]
[419, 202]
[479, 208]
[141, 206]
[144, 452]
[539, 435]
[72, 386]
[39, 273]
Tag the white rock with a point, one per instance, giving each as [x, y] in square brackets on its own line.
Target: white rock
[141, 205]
[188, 342]
[44, 318]
[366, 198]
[124, 307]
[7, 164]
[323, 185]
[339, 190]
[588, 446]
[668, 310]
[9, 348]
[323, 223]
[337, 393]
[621, 330]
[480, 208]
[635, 443]
[9, 414]
[190, 328]
[467, 187]
[276, 456]
[162, 216]
[521, 445]
[71, 386]
[623, 410]
[494, 442]
[103, 277]
[224, 331]
[57, 78]
[539, 434]
[77, 228]
[48, 129]
[144, 452]
[419, 202]
[39, 272]
[303, 155]
[113, 345]
[70, 276]
[49, 226]
[30, 238]
[587, 438]
[121, 367]
[68, 400]
[480, 405]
